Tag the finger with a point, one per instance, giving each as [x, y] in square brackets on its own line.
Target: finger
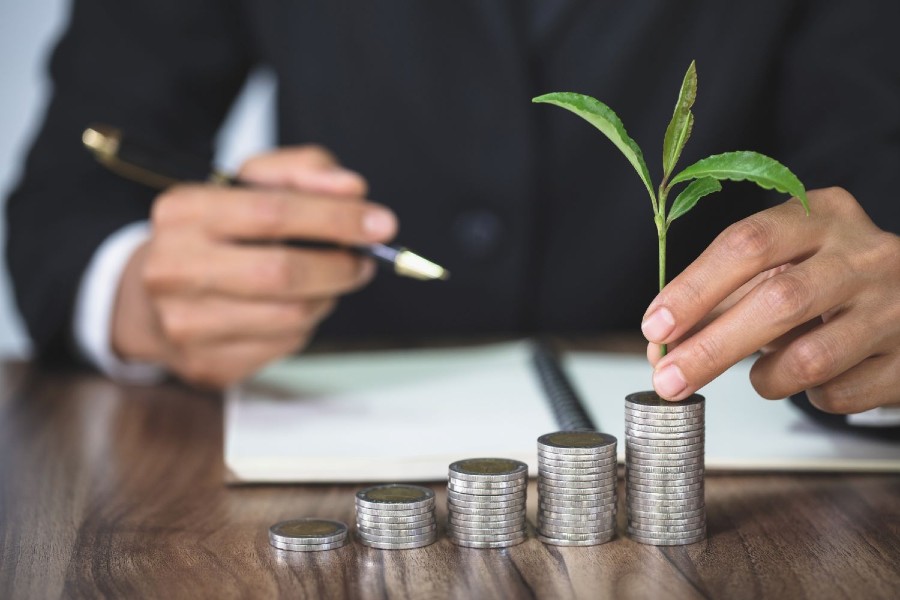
[220, 365]
[870, 384]
[278, 273]
[305, 168]
[188, 322]
[770, 310]
[816, 357]
[782, 341]
[254, 214]
[760, 242]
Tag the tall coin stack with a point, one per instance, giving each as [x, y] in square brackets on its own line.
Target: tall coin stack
[576, 488]
[664, 445]
[486, 502]
[395, 517]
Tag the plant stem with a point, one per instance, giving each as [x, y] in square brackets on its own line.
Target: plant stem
[662, 272]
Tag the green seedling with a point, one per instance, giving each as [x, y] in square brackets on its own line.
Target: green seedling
[702, 177]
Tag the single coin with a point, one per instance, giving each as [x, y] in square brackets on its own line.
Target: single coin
[677, 479]
[638, 419]
[695, 413]
[394, 539]
[654, 431]
[586, 516]
[414, 521]
[391, 532]
[596, 524]
[308, 547]
[662, 509]
[578, 521]
[563, 505]
[655, 438]
[484, 526]
[307, 531]
[574, 513]
[697, 462]
[678, 470]
[395, 496]
[588, 477]
[651, 497]
[607, 470]
[676, 445]
[634, 452]
[487, 545]
[456, 535]
[490, 487]
[651, 524]
[369, 513]
[561, 485]
[576, 442]
[575, 495]
[571, 461]
[651, 400]
[475, 490]
[668, 528]
[653, 514]
[489, 518]
[562, 531]
[580, 537]
[398, 546]
[479, 510]
[655, 489]
[652, 541]
[492, 533]
[498, 501]
[590, 542]
[488, 469]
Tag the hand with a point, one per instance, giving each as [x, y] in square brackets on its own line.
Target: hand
[214, 309]
[819, 295]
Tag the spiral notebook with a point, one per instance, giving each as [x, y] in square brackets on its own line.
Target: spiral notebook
[406, 415]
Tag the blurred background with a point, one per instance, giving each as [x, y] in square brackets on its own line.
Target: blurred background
[28, 32]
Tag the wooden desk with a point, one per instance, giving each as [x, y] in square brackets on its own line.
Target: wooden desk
[116, 492]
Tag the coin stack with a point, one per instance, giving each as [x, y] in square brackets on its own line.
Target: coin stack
[395, 517]
[576, 488]
[308, 535]
[486, 502]
[664, 445]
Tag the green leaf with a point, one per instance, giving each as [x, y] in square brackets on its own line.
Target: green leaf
[689, 196]
[603, 118]
[747, 166]
[679, 129]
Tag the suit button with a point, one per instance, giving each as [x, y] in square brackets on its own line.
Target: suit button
[477, 233]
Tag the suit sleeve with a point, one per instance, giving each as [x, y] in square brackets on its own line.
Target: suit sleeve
[165, 71]
[839, 112]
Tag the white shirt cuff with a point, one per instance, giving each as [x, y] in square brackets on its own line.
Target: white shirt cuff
[97, 300]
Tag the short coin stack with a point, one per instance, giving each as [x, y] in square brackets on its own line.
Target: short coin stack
[486, 502]
[308, 535]
[395, 517]
[576, 488]
[664, 445]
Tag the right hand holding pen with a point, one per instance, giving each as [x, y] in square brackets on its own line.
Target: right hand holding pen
[214, 309]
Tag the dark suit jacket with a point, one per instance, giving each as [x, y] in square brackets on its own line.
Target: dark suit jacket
[542, 222]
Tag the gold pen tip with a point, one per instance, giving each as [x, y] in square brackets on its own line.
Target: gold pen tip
[410, 264]
[102, 140]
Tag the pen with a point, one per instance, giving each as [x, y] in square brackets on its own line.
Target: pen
[160, 170]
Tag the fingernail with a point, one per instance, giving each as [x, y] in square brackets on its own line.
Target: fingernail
[669, 381]
[658, 325]
[379, 223]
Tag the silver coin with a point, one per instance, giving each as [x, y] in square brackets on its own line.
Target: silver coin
[662, 491]
[635, 452]
[395, 496]
[605, 476]
[491, 486]
[483, 528]
[575, 442]
[398, 546]
[488, 469]
[577, 494]
[389, 531]
[609, 468]
[487, 545]
[653, 420]
[498, 533]
[489, 518]
[566, 484]
[662, 509]
[664, 433]
[377, 512]
[649, 497]
[565, 461]
[651, 399]
[571, 520]
[697, 462]
[593, 524]
[677, 411]
[653, 514]
[576, 517]
[395, 539]
[566, 513]
[655, 489]
[565, 505]
[308, 547]
[600, 456]
[683, 468]
[478, 510]
[633, 413]
[580, 537]
[676, 479]
[512, 537]
[307, 531]
[676, 445]
[472, 500]
[415, 520]
[668, 531]
[563, 532]
[471, 497]
[681, 542]
[590, 542]
[479, 491]
[650, 524]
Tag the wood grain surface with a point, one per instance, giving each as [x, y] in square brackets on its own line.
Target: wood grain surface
[108, 491]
